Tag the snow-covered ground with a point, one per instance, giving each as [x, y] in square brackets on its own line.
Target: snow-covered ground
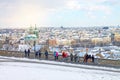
[34, 71]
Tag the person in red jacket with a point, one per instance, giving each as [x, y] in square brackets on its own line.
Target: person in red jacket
[66, 56]
[63, 54]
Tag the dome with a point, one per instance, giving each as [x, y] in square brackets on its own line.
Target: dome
[30, 37]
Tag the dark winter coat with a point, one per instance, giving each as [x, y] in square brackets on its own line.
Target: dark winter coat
[46, 53]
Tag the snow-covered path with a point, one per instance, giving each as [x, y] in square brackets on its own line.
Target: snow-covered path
[30, 71]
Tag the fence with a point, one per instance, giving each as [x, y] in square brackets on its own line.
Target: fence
[108, 62]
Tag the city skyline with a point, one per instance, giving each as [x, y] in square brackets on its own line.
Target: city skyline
[24, 13]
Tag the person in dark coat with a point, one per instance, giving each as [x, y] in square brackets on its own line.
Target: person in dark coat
[85, 58]
[39, 53]
[71, 57]
[75, 57]
[25, 53]
[89, 56]
[93, 58]
[28, 52]
[46, 54]
[36, 54]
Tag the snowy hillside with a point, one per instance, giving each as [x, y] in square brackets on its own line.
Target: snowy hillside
[15, 70]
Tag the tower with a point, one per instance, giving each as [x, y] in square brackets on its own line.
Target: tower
[112, 38]
[36, 32]
[30, 30]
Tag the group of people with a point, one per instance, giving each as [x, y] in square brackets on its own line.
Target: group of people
[37, 53]
[65, 56]
[27, 52]
[74, 57]
[88, 57]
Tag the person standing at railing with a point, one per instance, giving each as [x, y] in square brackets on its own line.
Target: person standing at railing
[39, 53]
[46, 54]
[75, 57]
[28, 53]
[57, 55]
[85, 58]
[54, 54]
[93, 58]
[36, 54]
[25, 53]
[71, 57]
[63, 56]
[66, 56]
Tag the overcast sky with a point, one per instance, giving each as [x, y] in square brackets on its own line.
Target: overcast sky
[23, 13]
